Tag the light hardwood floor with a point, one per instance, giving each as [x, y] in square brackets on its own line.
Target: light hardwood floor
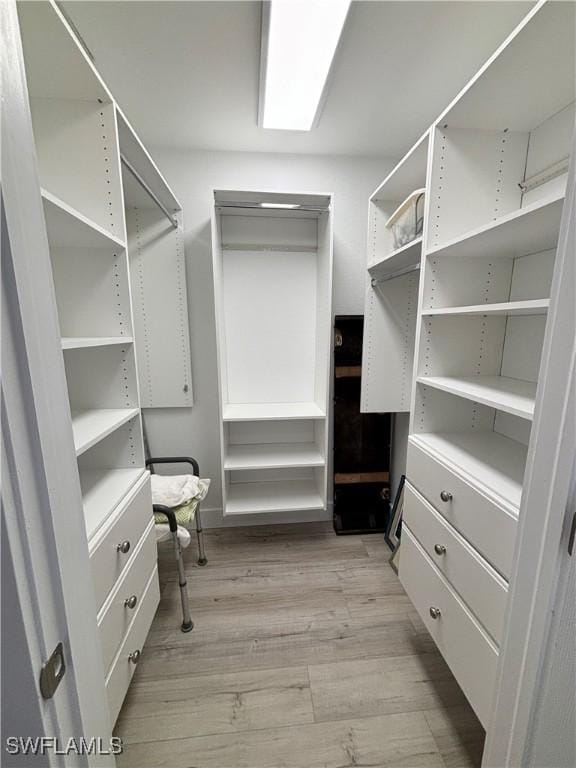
[306, 653]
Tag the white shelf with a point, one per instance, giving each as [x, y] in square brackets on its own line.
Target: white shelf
[488, 458]
[526, 307]
[508, 395]
[408, 175]
[273, 496]
[271, 411]
[68, 228]
[82, 342]
[89, 427]
[402, 258]
[273, 456]
[528, 230]
[102, 490]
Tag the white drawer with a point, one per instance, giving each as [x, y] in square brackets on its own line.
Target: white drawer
[482, 589]
[468, 650]
[126, 524]
[115, 616]
[123, 668]
[489, 528]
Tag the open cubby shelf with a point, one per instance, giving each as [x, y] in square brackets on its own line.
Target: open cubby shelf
[91, 426]
[83, 342]
[489, 459]
[500, 392]
[527, 230]
[526, 307]
[102, 490]
[68, 228]
[402, 258]
[273, 456]
[271, 411]
[273, 496]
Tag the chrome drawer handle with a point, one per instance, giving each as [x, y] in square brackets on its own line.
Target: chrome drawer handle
[435, 613]
[131, 601]
[445, 495]
[440, 549]
[134, 657]
[123, 547]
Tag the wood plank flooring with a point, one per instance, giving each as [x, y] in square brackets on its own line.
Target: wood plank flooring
[306, 653]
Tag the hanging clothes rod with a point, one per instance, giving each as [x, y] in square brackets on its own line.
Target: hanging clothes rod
[273, 207]
[128, 165]
[399, 272]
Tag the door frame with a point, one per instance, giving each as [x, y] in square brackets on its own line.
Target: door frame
[42, 516]
[545, 504]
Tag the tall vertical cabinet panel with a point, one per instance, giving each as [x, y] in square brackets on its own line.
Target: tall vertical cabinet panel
[273, 293]
[391, 292]
[75, 122]
[499, 157]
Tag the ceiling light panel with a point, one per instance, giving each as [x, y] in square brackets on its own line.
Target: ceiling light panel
[302, 37]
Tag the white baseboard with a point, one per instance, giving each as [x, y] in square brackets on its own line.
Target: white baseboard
[213, 517]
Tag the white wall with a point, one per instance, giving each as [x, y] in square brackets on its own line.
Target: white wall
[193, 175]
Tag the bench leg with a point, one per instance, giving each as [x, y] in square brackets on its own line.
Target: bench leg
[200, 535]
[187, 623]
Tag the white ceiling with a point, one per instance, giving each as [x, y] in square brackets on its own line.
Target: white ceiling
[186, 73]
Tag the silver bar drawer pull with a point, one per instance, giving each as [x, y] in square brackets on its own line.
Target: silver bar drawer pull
[446, 496]
[123, 547]
[131, 601]
[440, 549]
[435, 612]
[134, 657]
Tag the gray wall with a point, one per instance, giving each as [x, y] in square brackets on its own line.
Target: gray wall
[193, 175]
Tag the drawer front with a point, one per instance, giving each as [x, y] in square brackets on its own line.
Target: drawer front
[116, 615]
[126, 524]
[481, 588]
[490, 529]
[468, 651]
[123, 668]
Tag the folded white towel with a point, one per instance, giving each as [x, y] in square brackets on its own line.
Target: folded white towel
[175, 490]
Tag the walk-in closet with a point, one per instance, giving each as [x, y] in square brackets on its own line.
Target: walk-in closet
[288, 383]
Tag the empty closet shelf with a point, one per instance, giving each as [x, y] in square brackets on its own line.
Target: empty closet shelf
[91, 426]
[526, 307]
[528, 230]
[68, 228]
[272, 496]
[402, 258]
[271, 411]
[489, 459]
[102, 491]
[509, 395]
[81, 342]
[273, 456]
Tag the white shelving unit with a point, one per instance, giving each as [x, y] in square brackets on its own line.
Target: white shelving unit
[273, 259]
[82, 142]
[154, 225]
[497, 170]
[391, 296]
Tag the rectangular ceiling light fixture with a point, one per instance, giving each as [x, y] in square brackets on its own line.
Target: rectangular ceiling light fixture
[299, 40]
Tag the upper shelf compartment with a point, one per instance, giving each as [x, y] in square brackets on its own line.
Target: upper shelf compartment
[528, 79]
[73, 119]
[56, 66]
[135, 157]
[500, 151]
[384, 258]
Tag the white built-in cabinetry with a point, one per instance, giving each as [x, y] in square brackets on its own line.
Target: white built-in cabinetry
[272, 257]
[76, 131]
[495, 168]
